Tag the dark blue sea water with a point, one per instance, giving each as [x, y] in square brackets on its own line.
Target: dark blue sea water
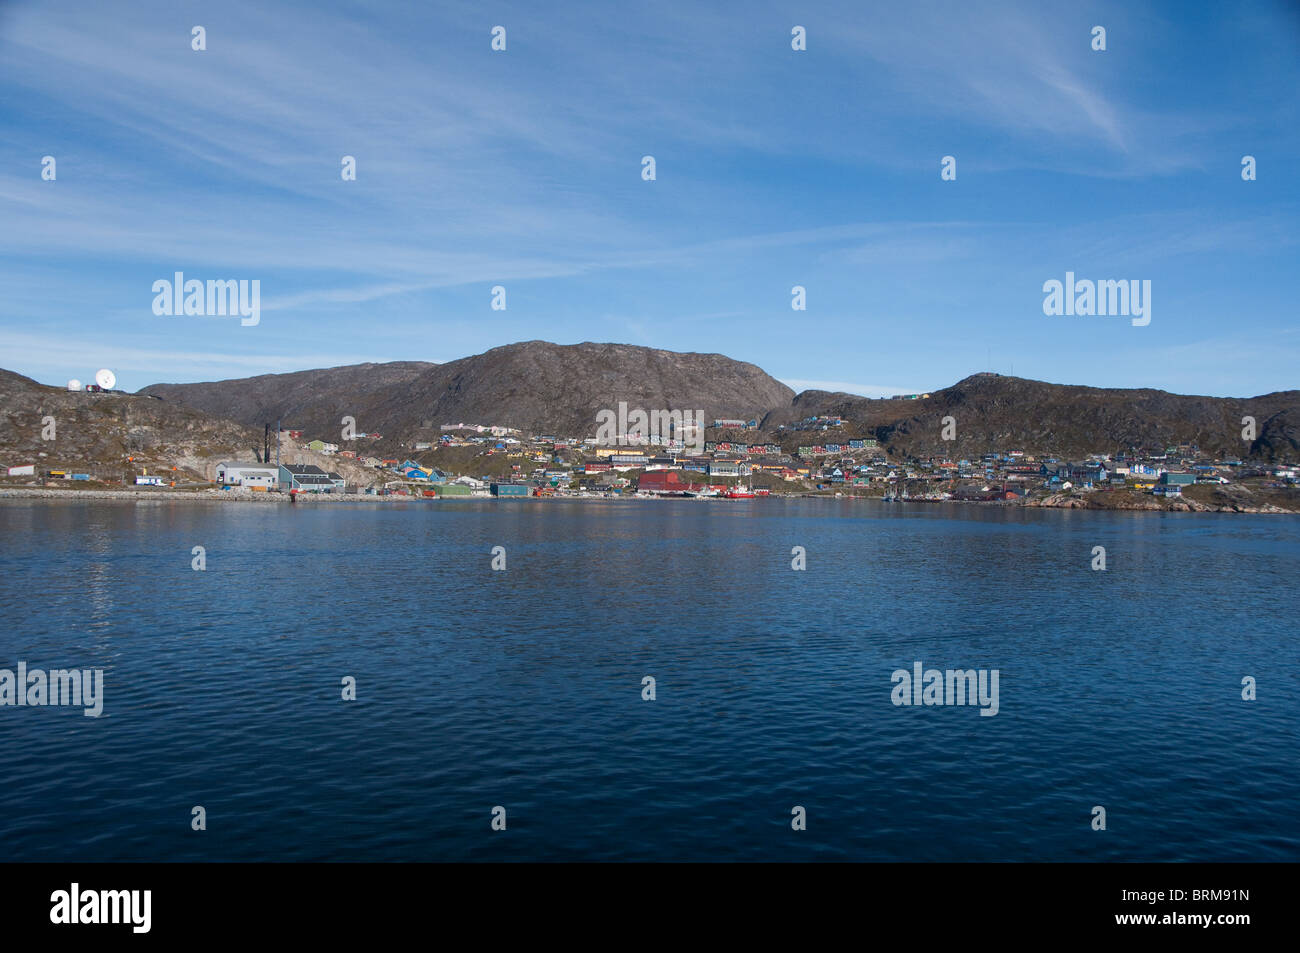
[523, 688]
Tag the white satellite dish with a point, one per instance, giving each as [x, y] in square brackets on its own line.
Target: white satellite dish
[105, 378]
[74, 384]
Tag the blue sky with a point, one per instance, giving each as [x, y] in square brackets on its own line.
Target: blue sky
[775, 168]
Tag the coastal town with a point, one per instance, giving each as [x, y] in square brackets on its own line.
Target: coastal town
[731, 459]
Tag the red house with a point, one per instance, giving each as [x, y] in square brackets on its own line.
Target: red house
[665, 481]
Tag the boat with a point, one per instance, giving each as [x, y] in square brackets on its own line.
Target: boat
[739, 493]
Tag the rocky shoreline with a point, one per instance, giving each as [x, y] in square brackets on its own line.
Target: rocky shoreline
[1070, 502]
[1054, 501]
[190, 496]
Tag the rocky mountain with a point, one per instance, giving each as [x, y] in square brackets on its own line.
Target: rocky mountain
[535, 386]
[997, 412]
[313, 399]
[99, 431]
[541, 387]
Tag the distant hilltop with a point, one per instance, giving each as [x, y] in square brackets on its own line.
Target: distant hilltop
[542, 388]
[995, 412]
[534, 386]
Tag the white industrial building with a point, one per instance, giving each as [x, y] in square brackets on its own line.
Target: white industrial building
[251, 475]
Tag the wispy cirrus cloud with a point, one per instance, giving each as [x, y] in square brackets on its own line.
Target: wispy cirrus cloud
[775, 168]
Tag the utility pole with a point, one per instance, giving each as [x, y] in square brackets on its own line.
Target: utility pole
[279, 417]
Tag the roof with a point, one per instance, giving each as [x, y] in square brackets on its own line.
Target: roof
[664, 480]
[303, 469]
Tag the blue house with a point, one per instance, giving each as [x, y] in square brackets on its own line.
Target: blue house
[1085, 475]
